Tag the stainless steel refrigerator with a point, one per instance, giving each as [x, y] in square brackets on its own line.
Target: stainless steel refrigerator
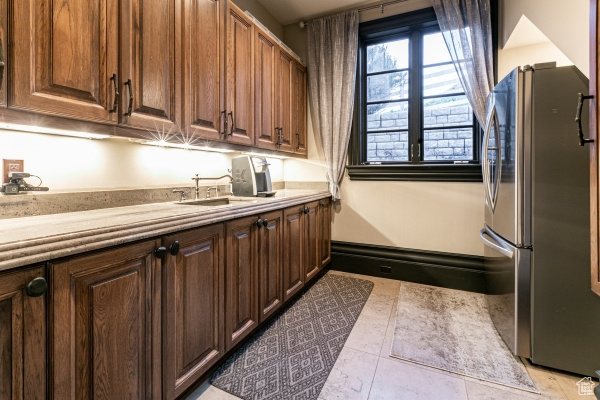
[537, 220]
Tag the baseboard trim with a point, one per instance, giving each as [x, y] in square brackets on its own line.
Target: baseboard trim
[449, 270]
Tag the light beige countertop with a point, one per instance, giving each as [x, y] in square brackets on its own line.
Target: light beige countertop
[28, 240]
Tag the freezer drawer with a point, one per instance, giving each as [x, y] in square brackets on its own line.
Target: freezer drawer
[508, 283]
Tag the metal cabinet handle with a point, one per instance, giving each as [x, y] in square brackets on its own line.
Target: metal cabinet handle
[232, 123]
[161, 252]
[298, 144]
[116, 101]
[581, 99]
[1, 64]
[259, 223]
[265, 222]
[130, 108]
[223, 114]
[174, 248]
[306, 210]
[37, 287]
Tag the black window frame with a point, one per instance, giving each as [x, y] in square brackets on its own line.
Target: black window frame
[417, 24]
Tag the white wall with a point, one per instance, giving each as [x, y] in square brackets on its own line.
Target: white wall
[419, 215]
[74, 164]
[511, 58]
[565, 23]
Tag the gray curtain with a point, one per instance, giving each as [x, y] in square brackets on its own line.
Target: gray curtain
[332, 46]
[467, 30]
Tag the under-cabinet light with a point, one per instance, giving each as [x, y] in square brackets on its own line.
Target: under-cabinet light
[253, 154]
[52, 131]
[185, 146]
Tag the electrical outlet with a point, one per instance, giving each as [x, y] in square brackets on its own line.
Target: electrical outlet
[11, 166]
[384, 269]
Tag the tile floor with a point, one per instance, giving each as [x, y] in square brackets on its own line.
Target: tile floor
[364, 369]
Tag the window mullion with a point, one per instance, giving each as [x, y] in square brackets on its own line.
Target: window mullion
[415, 84]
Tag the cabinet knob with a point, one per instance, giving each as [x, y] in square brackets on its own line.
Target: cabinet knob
[322, 204]
[259, 223]
[161, 252]
[174, 248]
[265, 222]
[306, 210]
[36, 287]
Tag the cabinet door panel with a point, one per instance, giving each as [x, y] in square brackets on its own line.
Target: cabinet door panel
[202, 38]
[241, 276]
[283, 116]
[293, 257]
[325, 231]
[64, 56]
[299, 108]
[105, 327]
[310, 226]
[264, 103]
[193, 300]
[22, 337]
[147, 58]
[270, 256]
[240, 82]
[4, 51]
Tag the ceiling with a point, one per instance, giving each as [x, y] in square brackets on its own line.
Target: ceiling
[292, 11]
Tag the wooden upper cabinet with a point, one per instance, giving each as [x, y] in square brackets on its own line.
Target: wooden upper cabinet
[64, 60]
[201, 35]
[105, 325]
[283, 109]
[239, 84]
[147, 80]
[594, 147]
[22, 337]
[299, 107]
[241, 279]
[265, 135]
[193, 290]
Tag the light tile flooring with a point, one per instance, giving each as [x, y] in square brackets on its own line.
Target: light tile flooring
[365, 370]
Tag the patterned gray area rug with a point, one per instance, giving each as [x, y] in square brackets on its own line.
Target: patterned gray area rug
[292, 356]
[452, 330]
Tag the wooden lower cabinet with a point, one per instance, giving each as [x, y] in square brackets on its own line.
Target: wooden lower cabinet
[293, 258]
[325, 231]
[310, 232]
[131, 322]
[193, 306]
[306, 243]
[105, 325]
[241, 279]
[270, 256]
[22, 337]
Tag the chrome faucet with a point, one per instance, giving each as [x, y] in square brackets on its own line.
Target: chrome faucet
[181, 193]
[196, 188]
[209, 189]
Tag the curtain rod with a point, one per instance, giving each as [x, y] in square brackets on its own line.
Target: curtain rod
[373, 7]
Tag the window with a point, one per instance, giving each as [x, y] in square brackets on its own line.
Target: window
[412, 118]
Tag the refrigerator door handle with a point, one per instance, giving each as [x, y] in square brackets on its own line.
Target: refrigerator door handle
[491, 176]
[501, 247]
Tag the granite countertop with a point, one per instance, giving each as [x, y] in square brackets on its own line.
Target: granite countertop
[29, 240]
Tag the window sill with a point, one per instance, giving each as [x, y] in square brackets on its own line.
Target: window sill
[427, 173]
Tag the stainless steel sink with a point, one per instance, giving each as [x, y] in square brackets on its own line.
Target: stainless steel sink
[215, 202]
